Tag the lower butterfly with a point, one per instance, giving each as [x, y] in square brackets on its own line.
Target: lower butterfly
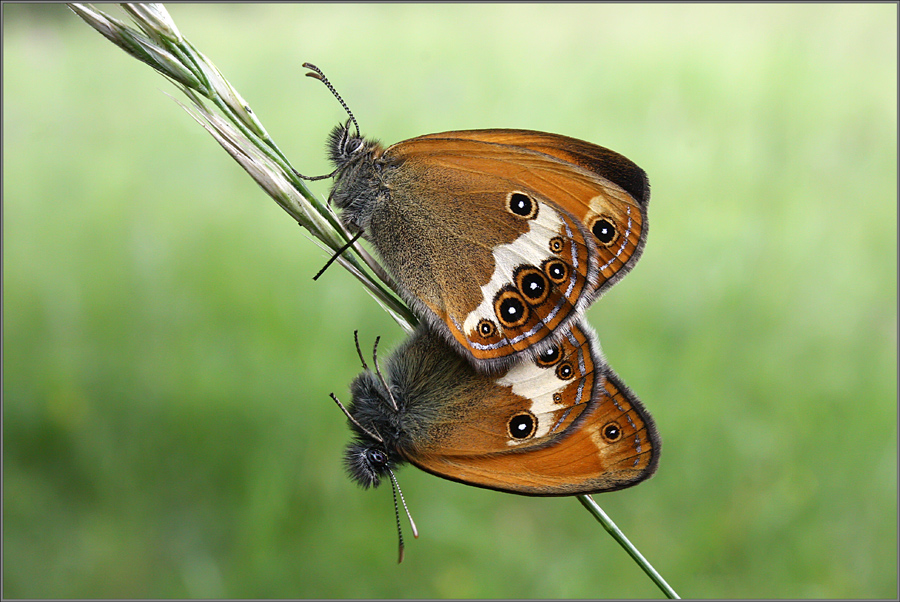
[561, 424]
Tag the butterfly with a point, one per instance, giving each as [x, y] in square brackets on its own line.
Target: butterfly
[560, 424]
[497, 238]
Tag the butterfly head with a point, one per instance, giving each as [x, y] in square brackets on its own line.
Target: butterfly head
[345, 146]
[375, 422]
[367, 464]
[357, 174]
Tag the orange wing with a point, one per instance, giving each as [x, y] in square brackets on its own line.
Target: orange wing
[563, 424]
[607, 192]
[583, 233]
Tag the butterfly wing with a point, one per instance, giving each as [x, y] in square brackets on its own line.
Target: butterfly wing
[563, 424]
[510, 242]
[607, 192]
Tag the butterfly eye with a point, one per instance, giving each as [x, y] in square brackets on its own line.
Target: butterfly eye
[510, 308]
[377, 458]
[612, 432]
[532, 284]
[522, 426]
[557, 271]
[565, 371]
[557, 244]
[549, 357]
[522, 205]
[365, 464]
[605, 231]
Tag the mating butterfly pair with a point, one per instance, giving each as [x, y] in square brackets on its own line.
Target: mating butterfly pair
[498, 240]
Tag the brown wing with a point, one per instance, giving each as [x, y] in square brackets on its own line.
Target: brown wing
[501, 265]
[515, 233]
[563, 424]
[610, 197]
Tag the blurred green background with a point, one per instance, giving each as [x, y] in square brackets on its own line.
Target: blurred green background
[167, 430]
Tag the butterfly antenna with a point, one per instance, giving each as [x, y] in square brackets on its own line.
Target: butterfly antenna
[400, 547]
[355, 421]
[395, 489]
[317, 73]
[381, 376]
[338, 254]
[358, 351]
[412, 523]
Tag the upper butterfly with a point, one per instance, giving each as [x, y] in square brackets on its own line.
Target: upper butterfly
[497, 238]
